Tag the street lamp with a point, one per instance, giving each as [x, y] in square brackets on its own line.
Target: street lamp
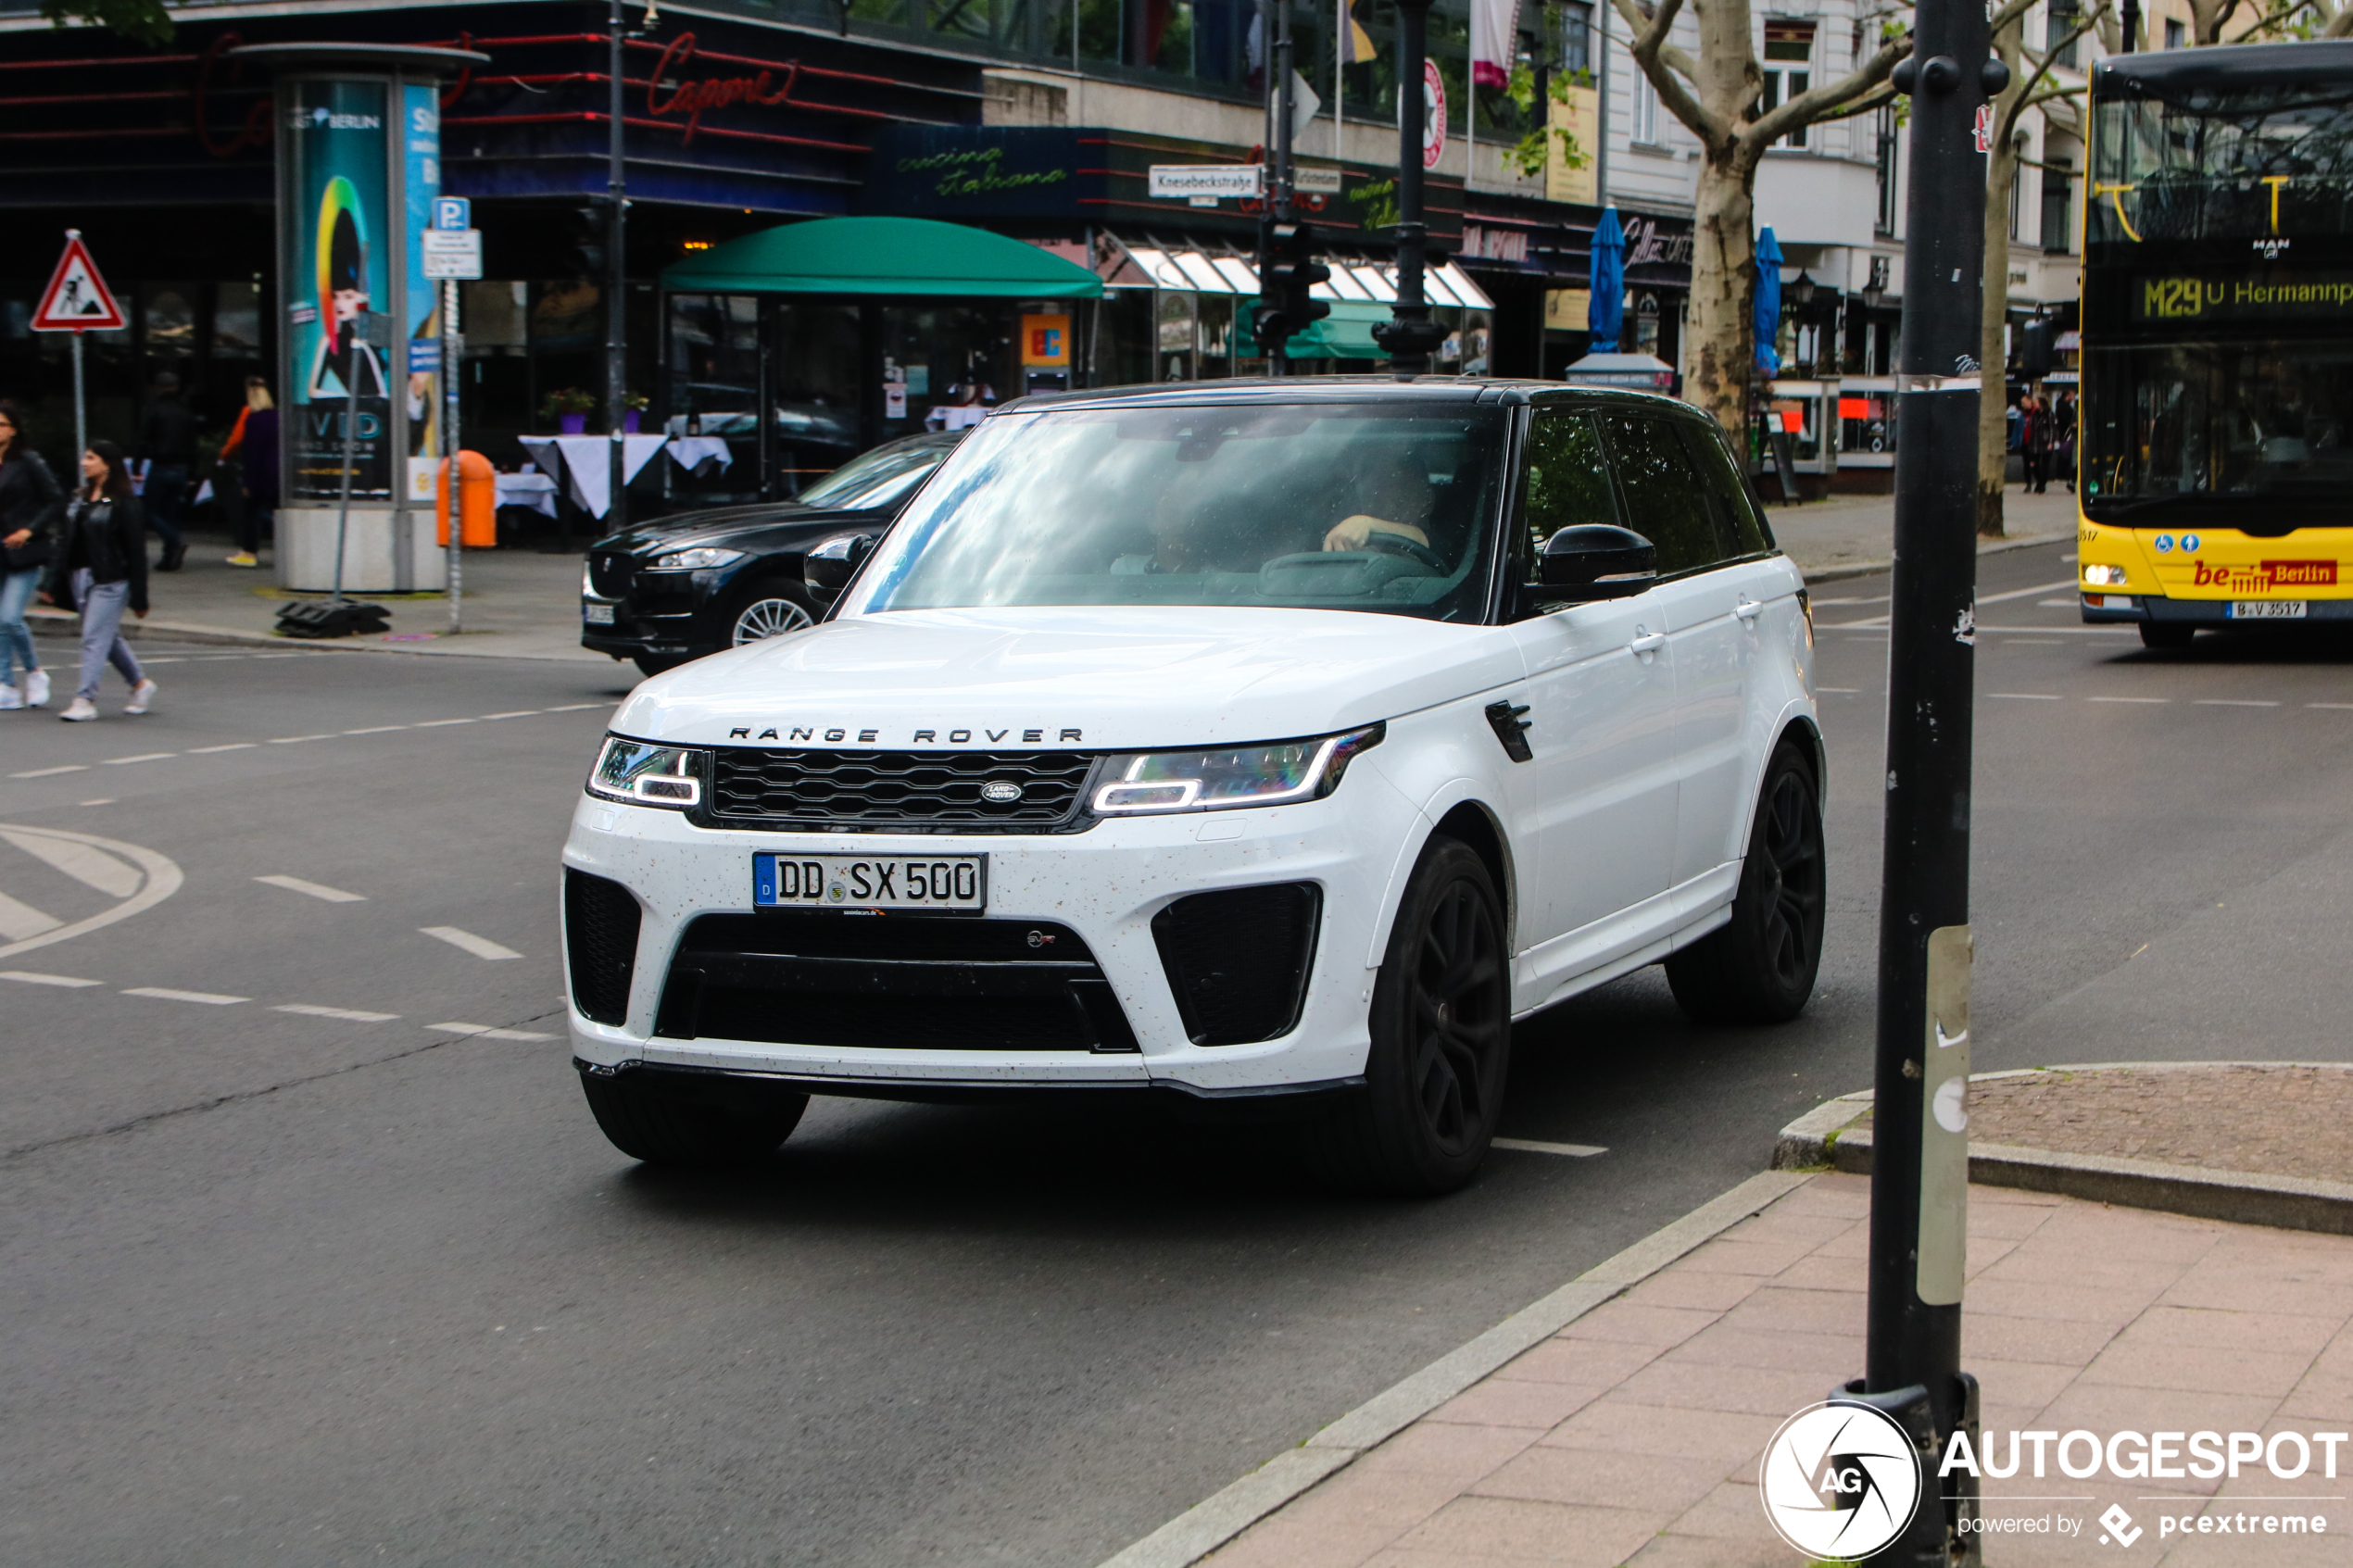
[1802, 291]
[1409, 336]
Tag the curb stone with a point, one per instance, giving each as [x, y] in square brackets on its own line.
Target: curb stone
[1826, 1136]
[1217, 1519]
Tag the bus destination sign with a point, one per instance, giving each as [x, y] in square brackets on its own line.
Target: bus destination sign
[2264, 296]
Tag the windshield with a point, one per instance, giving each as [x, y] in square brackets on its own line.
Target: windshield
[2195, 431]
[877, 479]
[1384, 506]
[2273, 159]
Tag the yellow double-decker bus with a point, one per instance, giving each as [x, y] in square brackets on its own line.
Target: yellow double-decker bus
[2215, 446]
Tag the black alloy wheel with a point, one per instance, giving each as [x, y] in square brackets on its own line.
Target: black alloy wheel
[691, 1123]
[1441, 1025]
[1759, 966]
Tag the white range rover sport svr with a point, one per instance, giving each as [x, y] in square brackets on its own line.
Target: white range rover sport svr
[1230, 740]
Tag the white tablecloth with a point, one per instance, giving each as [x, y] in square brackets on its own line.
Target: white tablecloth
[534, 490]
[690, 452]
[587, 463]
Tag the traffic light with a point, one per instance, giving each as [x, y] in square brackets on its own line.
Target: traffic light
[1288, 271]
[589, 231]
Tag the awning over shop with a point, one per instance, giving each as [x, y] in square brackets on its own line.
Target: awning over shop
[1352, 280]
[887, 257]
[1346, 333]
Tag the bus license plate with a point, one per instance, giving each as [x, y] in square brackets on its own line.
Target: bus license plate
[957, 882]
[2267, 609]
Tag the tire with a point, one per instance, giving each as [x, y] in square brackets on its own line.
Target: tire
[2170, 636]
[1441, 1023]
[728, 1125]
[1759, 966]
[657, 664]
[773, 607]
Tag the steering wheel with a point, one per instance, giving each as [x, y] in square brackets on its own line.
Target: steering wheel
[1398, 544]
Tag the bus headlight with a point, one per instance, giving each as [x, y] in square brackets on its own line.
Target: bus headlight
[2103, 577]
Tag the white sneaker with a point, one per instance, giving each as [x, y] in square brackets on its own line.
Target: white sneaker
[10, 699]
[36, 689]
[141, 695]
[80, 708]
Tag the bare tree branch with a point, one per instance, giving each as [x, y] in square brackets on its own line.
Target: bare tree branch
[1877, 98]
[1649, 49]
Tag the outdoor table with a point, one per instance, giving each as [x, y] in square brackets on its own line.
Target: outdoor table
[587, 465]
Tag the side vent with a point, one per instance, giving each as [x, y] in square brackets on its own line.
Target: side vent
[600, 938]
[1238, 960]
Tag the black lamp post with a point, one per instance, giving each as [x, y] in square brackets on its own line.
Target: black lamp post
[616, 281]
[1409, 336]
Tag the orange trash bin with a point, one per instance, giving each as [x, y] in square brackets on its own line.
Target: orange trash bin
[477, 503]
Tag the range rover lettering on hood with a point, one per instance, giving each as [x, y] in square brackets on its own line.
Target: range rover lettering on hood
[917, 737]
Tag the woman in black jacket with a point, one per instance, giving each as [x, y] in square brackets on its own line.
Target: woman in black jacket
[105, 561]
[30, 505]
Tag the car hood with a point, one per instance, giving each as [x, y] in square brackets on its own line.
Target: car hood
[733, 524]
[1096, 677]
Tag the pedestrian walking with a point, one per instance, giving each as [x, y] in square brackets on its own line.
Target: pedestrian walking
[106, 564]
[2035, 442]
[254, 442]
[31, 506]
[167, 442]
[2063, 438]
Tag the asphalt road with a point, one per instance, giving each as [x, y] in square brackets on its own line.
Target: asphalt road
[366, 1283]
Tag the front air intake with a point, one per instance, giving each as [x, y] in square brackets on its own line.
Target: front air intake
[1238, 960]
[600, 938]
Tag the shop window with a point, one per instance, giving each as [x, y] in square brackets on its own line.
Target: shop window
[1789, 56]
[2061, 17]
[814, 366]
[1172, 336]
[1218, 328]
[167, 326]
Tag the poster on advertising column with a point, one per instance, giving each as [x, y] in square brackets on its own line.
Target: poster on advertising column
[421, 183]
[337, 231]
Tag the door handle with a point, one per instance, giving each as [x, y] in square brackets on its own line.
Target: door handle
[1748, 608]
[1647, 643]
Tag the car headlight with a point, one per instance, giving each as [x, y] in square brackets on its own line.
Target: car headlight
[1224, 777]
[2104, 577]
[697, 558]
[587, 580]
[646, 774]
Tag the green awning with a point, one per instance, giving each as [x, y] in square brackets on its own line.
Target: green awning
[892, 257]
[1346, 333]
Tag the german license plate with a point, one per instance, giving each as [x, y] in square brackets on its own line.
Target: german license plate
[2268, 610]
[957, 882]
[597, 615]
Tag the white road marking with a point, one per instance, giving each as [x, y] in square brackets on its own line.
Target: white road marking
[2128, 699]
[2028, 696]
[2233, 702]
[31, 977]
[483, 1031]
[574, 708]
[376, 729]
[2054, 604]
[86, 864]
[1530, 1146]
[480, 946]
[316, 889]
[1838, 691]
[518, 713]
[438, 724]
[233, 746]
[296, 740]
[49, 773]
[102, 800]
[163, 880]
[2028, 593]
[164, 993]
[349, 1015]
[1879, 623]
[20, 921]
[2339, 705]
[143, 757]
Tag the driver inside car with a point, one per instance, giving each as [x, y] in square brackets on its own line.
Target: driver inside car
[1193, 534]
[1398, 484]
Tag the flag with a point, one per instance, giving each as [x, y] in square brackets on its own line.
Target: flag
[1495, 41]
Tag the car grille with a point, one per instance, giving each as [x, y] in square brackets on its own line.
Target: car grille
[899, 981]
[601, 938]
[899, 791]
[609, 573]
[1238, 959]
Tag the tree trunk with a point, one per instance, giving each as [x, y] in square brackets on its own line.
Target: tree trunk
[1993, 401]
[1722, 355]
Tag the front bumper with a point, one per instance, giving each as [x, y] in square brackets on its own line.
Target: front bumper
[1106, 883]
[2137, 610]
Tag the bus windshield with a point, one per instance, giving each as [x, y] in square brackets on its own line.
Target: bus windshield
[2218, 302]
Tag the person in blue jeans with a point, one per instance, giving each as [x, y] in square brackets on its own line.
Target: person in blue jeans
[105, 561]
[168, 441]
[31, 506]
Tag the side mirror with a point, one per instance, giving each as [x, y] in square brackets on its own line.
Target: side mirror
[1596, 561]
[827, 570]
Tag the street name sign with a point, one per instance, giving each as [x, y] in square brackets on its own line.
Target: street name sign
[1195, 180]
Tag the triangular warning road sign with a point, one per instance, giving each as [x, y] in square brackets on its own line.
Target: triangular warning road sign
[76, 300]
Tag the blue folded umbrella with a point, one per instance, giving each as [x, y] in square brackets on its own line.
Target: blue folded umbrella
[1768, 317]
[1606, 315]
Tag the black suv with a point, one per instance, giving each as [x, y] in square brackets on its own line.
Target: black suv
[676, 589]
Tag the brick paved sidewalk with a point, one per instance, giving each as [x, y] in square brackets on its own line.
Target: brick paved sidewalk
[1633, 1436]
